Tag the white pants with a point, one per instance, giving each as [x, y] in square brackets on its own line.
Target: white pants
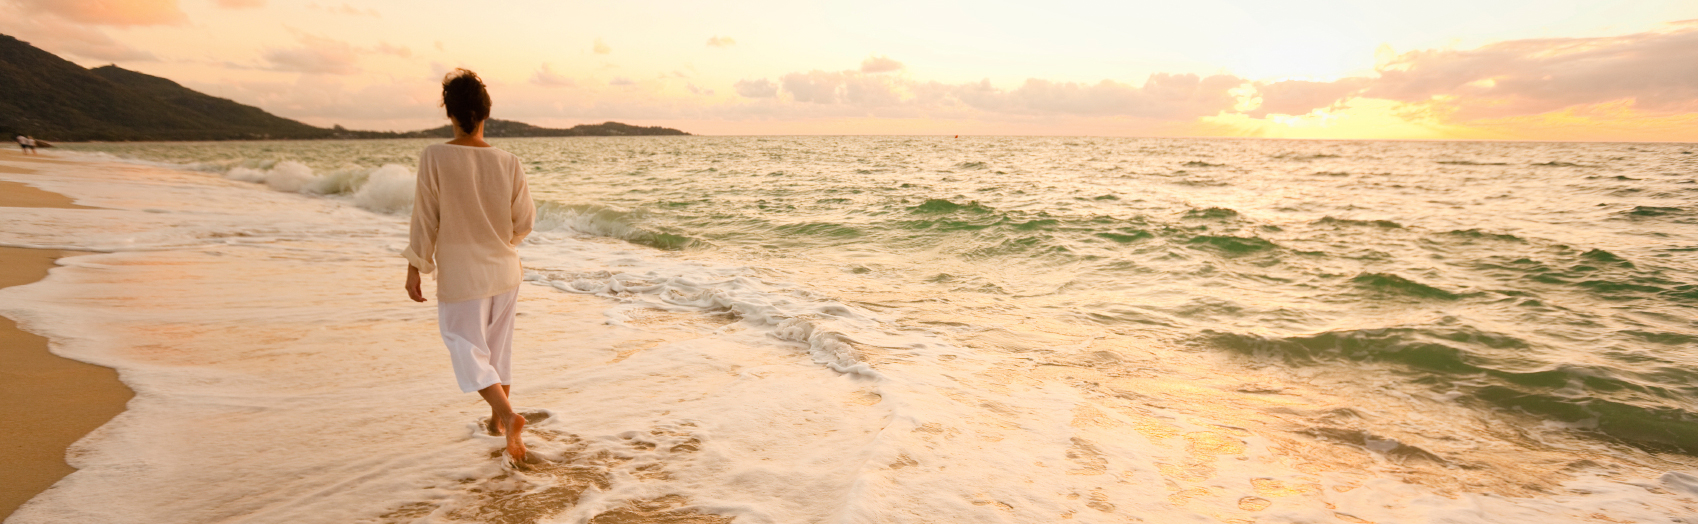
[479, 336]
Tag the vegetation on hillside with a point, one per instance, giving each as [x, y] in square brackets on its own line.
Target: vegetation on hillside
[53, 99]
[495, 128]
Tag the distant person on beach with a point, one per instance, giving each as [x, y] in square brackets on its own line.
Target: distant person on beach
[470, 211]
[27, 144]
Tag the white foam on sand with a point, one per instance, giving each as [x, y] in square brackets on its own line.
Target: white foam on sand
[282, 376]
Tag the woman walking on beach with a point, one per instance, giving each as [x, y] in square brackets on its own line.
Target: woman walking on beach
[471, 210]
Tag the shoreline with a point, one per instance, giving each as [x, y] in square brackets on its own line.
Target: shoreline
[37, 383]
[274, 312]
[270, 361]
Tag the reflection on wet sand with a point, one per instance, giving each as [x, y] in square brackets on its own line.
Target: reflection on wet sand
[561, 469]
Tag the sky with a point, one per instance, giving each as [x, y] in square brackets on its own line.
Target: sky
[1430, 69]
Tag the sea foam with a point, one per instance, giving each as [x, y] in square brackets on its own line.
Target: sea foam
[695, 383]
[390, 189]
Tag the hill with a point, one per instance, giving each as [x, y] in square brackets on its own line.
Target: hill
[244, 120]
[53, 99]
[494, 128]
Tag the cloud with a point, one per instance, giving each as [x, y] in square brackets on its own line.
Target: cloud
[1655, 71]
[391, 49]
[818, 87]
[322, 55]
[1658, 70]
[1162, 96]
[107, 12]
[546, 77]
[346, 9]
[844, 87]
[1495, 91]
[325, 100]
[1503, 90]
[721, 41]
[60, 36]
[240, 4]
[762, 88]
[316, 55]
[1299, 97]
[880, 64]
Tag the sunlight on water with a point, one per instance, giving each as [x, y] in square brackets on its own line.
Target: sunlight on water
[1494, 318]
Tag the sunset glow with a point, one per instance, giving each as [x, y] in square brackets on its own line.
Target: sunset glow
[1514, 70]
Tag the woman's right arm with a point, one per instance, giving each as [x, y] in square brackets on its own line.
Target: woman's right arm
[415, 288]
[524, 209]
[426, 222]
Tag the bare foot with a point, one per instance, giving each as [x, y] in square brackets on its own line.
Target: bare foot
[515, 444]
[494, 425]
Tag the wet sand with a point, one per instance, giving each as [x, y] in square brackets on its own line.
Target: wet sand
[51, 401]
[281, 348]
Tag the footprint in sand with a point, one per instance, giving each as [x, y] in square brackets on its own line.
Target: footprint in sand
[562, 468]
[532, 417]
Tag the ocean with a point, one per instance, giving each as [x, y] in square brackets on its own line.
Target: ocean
[987, 329]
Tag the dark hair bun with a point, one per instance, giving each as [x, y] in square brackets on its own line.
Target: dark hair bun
[467, 101]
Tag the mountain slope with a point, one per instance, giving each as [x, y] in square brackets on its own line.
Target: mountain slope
[240, 118]
[48, 97]
[57, 99]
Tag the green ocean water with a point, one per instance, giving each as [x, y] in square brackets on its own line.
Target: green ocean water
[1548, 282]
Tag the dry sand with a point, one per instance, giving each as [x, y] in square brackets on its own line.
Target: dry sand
[50, 401]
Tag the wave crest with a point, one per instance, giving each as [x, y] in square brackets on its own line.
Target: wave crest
[604, 221]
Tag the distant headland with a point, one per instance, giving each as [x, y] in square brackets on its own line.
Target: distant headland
[50, 98]
[510, 129]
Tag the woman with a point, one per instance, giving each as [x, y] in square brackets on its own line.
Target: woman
[471, 210]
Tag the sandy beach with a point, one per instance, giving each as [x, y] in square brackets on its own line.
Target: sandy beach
[51, 401]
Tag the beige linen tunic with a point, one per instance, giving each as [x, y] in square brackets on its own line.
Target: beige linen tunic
[471, 210]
